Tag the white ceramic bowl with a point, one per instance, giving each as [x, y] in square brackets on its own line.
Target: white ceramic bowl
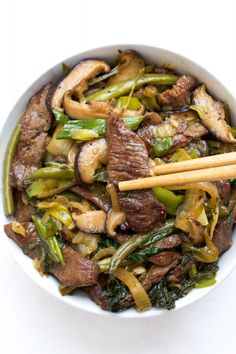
[151, 55]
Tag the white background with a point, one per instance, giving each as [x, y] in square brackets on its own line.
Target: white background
[34, 36]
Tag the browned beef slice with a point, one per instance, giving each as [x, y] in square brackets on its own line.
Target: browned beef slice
[97, 295]
[23, 210]
[159, 69]
[77, 271]
[223, 236]
[27, 243]
[143, 211]
[121, 238]
[33, 137]
[169, 242]
[195, 131]
[155, 274]
[164, 258]
[101, 200]
[178, 95]
[223, 188]
[147, 135]
[177, 273]
[128, 157]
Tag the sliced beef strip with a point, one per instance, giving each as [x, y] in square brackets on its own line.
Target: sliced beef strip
[127, 154]
[179, 272]
[164, 258]
[28, 243]
[178, 95]
[143, 211]
[223, 236]
[223, 188]
[155, 274]
[171, 241]
[147, 135]
[97, 295]
[33, 138]
[101, 200]
[77, 271]
[183, 137]
[128, 159]
[23, 210]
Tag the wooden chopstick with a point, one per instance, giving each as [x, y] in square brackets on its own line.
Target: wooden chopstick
[196, 164]
[203, 175]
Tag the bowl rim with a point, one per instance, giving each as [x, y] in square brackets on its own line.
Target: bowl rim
[9, 243]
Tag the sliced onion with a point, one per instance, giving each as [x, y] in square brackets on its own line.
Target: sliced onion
[18, 228]
[139, 294]
[87, 243]
[164, 130]
[208, 187]
[109, 251]
[191, 207]
[214, 221]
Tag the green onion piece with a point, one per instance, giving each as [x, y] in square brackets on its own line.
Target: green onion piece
[128, 102]
[97, 125]
[50, 241]
[44, 188]
[194, 154]
[151, 104]
[60, 116]
[140, 241]
[111, 73]
[124, 87]
[170, 200]
[65, 68]
[162, 146]
[233, 131]
[83, 134]
[63, 172]
[9, 156]
[180, 155]
[205, 283]
[192, 271]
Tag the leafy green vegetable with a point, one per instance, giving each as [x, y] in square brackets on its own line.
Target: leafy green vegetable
[162, 146]
[143, 255]
[115, 292]
[101, 175]
[106, 242]
[140, 241]
[165, 295]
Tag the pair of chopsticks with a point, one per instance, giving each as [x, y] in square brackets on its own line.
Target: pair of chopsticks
[204, 169]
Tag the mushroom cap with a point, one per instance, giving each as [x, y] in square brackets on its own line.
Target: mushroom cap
[130, 64]
[212, 114]
[78, 79]
[89, 158]
[91, 221]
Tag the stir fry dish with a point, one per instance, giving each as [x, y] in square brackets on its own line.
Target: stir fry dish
[78, 138]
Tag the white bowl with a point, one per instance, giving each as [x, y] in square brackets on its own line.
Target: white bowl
[151, 55]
